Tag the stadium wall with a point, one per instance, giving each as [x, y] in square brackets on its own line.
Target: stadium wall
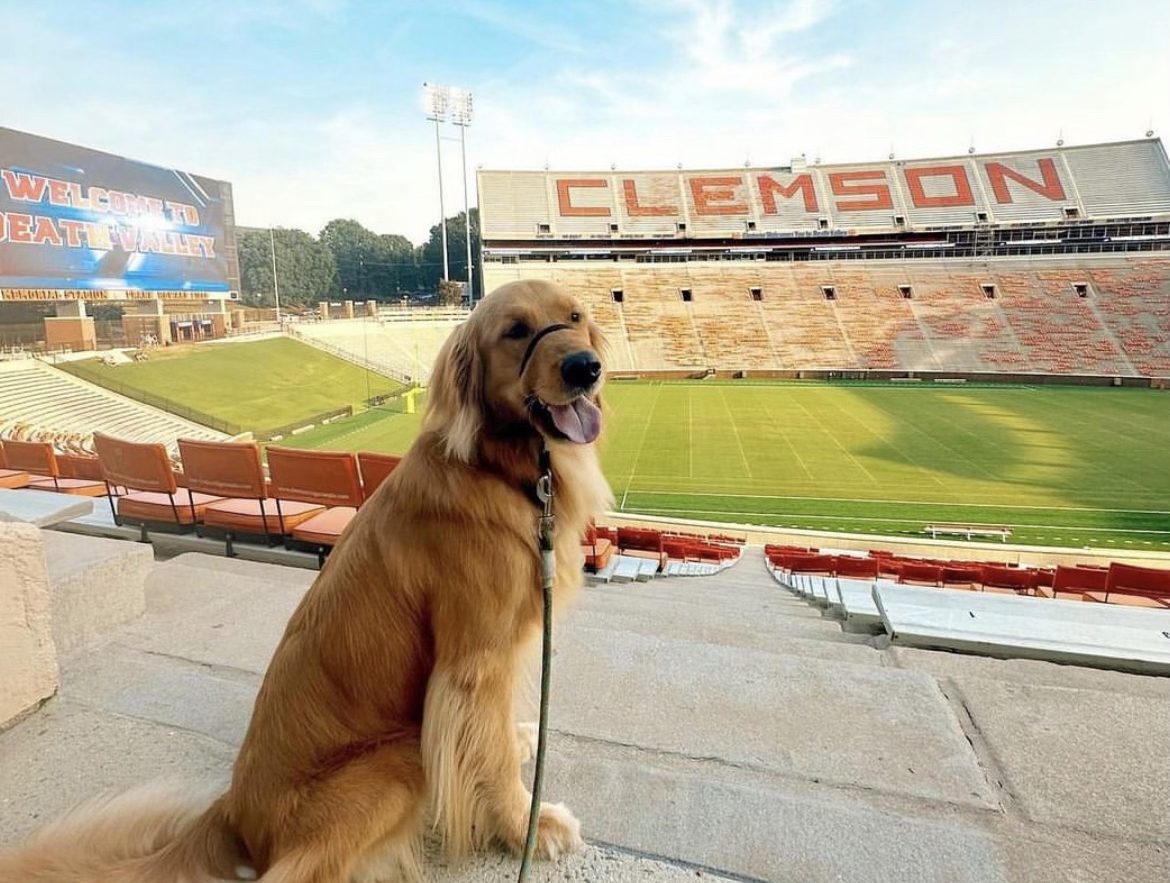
[1122, 179]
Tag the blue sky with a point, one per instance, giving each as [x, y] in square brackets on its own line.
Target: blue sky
[312, 108]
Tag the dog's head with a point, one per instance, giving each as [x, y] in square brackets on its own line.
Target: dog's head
[528, 360]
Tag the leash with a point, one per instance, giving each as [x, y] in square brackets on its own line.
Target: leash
[548, 572]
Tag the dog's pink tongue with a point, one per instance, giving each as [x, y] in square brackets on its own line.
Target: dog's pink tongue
[580, 420]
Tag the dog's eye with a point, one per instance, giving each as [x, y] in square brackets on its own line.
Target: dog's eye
[574, 317]
[518, 331]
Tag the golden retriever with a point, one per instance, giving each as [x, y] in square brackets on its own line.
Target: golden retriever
[388, 703]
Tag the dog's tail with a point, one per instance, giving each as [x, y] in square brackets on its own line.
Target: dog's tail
[153, 834]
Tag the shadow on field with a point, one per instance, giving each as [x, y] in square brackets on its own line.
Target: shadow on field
[1038, 444]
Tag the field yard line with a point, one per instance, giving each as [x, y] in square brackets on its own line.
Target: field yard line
[903, 502]
[735, 429]
[1101, 430]
[847, 518]
[784, 435]
[825, 384]
[641, 446]
[868, 474]
[901, 454]
[690, 437]
[355, 430]
[1091, 421]
[937, 441]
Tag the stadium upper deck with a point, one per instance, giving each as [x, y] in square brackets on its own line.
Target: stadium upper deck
[1129, 179]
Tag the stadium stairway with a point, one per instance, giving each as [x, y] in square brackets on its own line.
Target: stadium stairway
[714, 727]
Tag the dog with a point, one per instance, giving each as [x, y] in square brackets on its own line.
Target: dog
[387, 706]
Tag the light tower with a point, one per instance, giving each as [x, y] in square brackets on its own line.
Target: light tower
[461, 116]
[437, 99]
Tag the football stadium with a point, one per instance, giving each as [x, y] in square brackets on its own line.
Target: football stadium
[884, 589]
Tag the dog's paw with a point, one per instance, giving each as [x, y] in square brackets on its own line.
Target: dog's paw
[526, 736]
[558, 832]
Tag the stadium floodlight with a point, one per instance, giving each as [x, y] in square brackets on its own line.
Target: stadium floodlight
[460, 104]
[437, 99]
[461, 116]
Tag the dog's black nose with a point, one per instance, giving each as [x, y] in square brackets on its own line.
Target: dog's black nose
[581, 369]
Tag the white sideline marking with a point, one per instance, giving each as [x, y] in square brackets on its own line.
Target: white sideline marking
[735, 429]
[899, 502]
[641, 445]
[657, 510]
[844, 450]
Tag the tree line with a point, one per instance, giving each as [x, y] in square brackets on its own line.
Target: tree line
[347, 260]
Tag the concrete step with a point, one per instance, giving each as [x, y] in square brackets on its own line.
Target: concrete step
[663, 601]
[218, 610]
[96, 585]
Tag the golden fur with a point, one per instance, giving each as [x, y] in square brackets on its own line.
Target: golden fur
[389, 700]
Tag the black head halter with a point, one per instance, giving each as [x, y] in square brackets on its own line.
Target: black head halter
[548, 329]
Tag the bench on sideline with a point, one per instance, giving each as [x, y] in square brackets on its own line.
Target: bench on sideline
[970, 531]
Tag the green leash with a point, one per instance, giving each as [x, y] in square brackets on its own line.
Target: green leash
[548, 570]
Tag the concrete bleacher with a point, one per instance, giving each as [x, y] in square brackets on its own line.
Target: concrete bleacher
[1112, 618]
[1135, 304]
[717, 728]
[41, 402]
[402, 346]
[1036, 322]
[1107, 635]
[1061, 333]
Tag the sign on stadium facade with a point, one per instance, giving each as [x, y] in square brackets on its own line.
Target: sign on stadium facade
[77, 223]
[1095, 181]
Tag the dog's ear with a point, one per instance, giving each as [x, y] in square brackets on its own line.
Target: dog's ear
[455, 396]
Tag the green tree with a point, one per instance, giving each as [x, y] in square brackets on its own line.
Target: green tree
[306, 268]
[430, 255]
[370, 265]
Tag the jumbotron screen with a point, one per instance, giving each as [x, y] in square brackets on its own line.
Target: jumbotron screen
[77, 219]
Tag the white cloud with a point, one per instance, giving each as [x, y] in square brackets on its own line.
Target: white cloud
[708, 83]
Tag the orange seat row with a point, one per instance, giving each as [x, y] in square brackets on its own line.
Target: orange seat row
[307, 498]
[36, 465]
[1116, 584]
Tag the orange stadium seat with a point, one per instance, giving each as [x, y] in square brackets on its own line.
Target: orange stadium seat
[233, 471]
[961, 576]
[856, 568]
[41, 463]
[598, 549]
[80, 466]
[10, 478]
[324, 478]
[151, 496]
[1071, 583]
[1008, 580]
[375, 469]
[1134, 587]
[915, 574]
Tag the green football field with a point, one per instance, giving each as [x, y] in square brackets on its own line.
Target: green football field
[257, 385]
[1060, 465]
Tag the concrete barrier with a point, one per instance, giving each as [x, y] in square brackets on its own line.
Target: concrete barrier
[97, 584]
[28, 658]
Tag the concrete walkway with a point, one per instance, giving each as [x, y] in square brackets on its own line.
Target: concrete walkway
[703, 728]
